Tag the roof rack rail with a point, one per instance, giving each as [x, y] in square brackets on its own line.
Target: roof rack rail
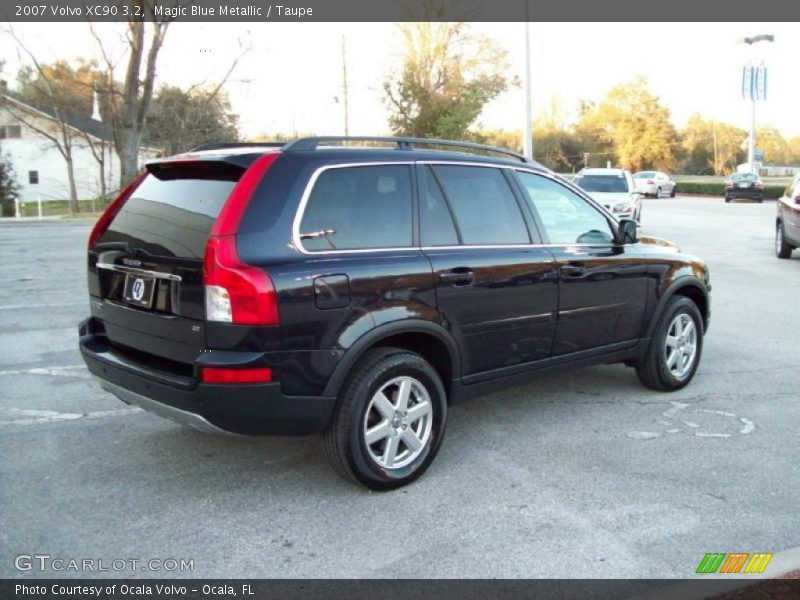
[403, 143]
[224, 145]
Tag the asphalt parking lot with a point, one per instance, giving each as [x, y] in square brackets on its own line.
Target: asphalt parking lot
[586, 474]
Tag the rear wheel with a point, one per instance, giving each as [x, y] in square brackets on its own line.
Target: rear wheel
[782, 248]
[658, 192]
[674, 191]
[673, 355]
[390, 420]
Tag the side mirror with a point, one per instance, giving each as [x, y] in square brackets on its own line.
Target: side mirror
[626, 232]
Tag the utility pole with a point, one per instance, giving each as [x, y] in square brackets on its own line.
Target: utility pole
[716, 160]
[527, 142]
[344, 89]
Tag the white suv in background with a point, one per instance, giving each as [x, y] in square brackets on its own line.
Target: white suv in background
[655, 183]
[614, 189]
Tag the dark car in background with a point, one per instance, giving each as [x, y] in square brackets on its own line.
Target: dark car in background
[787, 222]
[360, 292]
[744, 185]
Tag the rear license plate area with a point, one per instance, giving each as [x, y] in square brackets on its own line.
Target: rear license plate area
[139, 290]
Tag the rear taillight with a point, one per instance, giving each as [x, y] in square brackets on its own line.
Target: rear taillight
[236, 292]
[758, 184]
[105, 219]
[728, 184]
[226, 375]
[650, 182]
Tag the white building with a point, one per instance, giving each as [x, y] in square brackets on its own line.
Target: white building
[39, 166]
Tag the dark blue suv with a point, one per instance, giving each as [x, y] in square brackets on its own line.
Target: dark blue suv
[318, 287]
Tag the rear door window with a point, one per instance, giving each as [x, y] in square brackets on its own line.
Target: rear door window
[173, 213]
[484, 207]
[359, 208]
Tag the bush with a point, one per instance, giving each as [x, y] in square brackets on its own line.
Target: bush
[718, 189]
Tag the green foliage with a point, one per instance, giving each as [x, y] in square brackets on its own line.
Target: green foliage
[448, 76]
[718, 189]
[9, 189]
[60, 86]
[632, 123]
[180, 120]
[711, 148]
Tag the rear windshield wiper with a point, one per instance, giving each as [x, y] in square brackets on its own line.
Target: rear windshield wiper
[322, 233]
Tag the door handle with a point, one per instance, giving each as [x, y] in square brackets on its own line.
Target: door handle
[573, 270]
[457, 277]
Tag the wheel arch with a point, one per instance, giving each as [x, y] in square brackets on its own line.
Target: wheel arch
[690, 287]
[432, 341]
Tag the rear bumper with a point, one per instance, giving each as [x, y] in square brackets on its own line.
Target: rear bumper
[257, 409]
[744, 193]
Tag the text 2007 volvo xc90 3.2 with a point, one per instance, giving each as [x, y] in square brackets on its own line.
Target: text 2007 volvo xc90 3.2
[359, 292]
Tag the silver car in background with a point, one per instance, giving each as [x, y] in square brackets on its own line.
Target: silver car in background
[655, 183]
[614, 189]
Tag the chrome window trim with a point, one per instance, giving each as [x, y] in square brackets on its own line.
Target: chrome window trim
[298, 217]
[135, 271]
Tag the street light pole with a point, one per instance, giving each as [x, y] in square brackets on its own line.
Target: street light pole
[527, 142]
[751, 140]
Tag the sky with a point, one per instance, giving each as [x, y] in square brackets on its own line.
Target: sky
[290, 80]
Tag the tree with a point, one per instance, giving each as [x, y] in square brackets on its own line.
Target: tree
[448, 75]
[638, 127]
[710, 147]
[129, 101]
[181, 120]
[57, 89]
[9, 189]
[776, 149]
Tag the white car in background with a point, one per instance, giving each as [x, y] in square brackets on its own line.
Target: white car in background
[614, 189]
[655, 183]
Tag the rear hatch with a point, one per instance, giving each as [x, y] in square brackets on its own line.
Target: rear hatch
[146, 269]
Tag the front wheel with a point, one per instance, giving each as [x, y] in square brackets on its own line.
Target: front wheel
[673, 355]
[389, 422]
[782, 248]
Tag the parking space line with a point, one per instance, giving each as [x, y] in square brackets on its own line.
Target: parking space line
[77, 371]
[54, 305]
[38, 417]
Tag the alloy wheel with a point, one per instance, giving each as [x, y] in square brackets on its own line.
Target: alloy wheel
[681, 345]
[398, 422]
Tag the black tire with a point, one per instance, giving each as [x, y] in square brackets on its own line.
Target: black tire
[782, 248]
[652, 370]
[760, 200]
[674, 191]
[727, 199]
[345, 442]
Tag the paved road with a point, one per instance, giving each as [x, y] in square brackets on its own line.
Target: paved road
[579, 475]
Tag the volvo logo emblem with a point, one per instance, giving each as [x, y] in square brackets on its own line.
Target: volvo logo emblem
[137, 291]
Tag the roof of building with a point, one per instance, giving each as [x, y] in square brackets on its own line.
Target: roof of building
[97, 129]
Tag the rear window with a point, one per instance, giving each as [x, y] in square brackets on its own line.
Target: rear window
[644, 175]
[610, 184]
[744, 177]
[172, 216]
[359, 208]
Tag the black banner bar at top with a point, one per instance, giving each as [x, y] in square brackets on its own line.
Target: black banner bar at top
[289, 11]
